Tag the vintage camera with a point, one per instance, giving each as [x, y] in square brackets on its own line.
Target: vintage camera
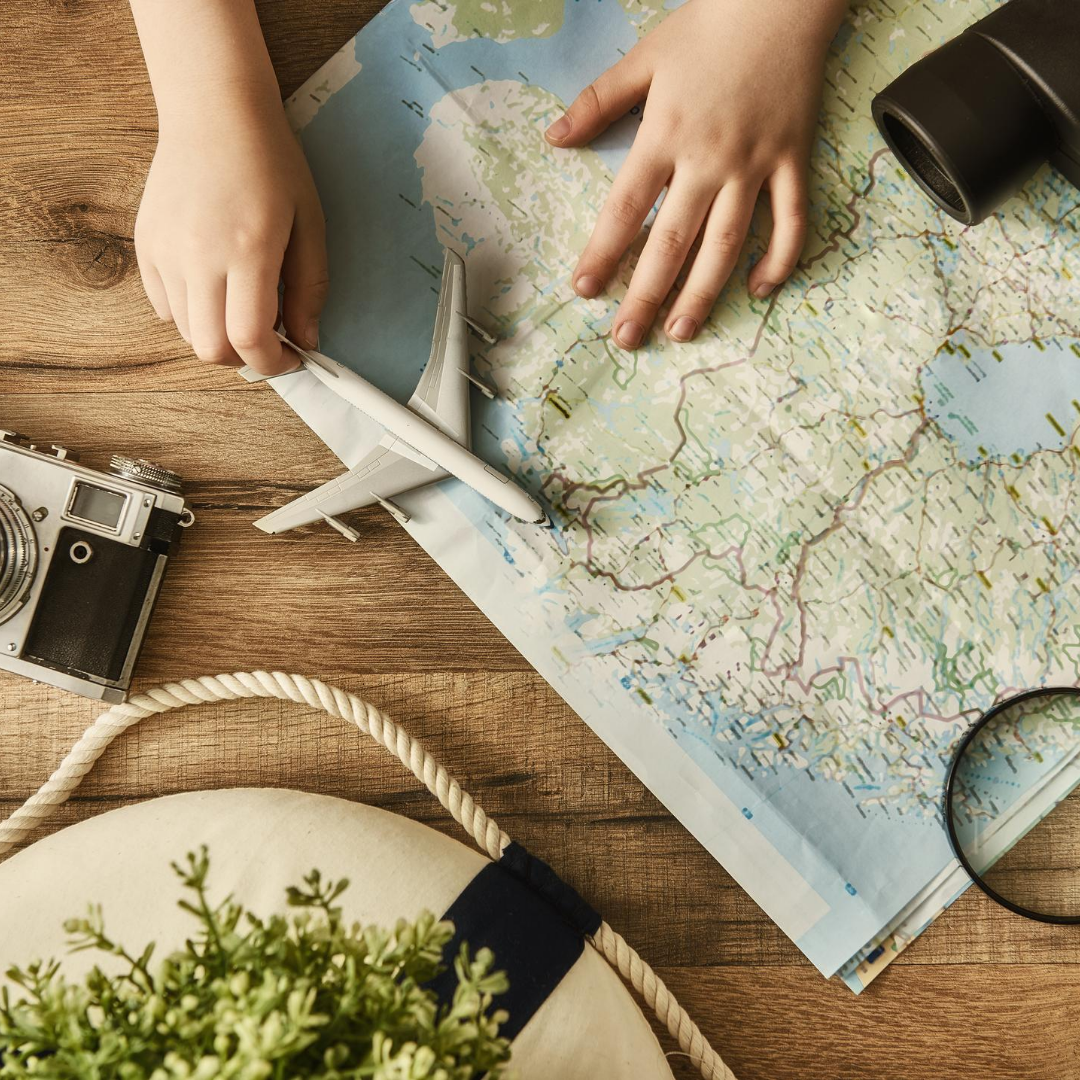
[82, 555]
[972, 121]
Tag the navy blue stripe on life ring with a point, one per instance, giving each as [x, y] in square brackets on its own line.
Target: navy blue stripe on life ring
[532, 921]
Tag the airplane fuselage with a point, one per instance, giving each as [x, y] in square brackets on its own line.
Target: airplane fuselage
[424, 438]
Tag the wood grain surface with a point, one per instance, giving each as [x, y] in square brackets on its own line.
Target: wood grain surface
[84, 362]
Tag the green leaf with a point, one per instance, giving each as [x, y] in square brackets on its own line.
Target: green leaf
[251, 998]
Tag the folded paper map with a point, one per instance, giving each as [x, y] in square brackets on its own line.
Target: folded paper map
[794, 559]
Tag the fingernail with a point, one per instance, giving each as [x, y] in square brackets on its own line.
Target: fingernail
[683, 329]
[629, 334]
[311, 334]
[560, 129]
[763, 290]
[588, 286]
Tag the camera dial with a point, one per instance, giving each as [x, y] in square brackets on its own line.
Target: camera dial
[145, 472]
[18, 554]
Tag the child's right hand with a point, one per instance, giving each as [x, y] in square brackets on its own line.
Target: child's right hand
[229, 207]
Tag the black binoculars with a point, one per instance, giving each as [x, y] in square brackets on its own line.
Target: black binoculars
[972, 121]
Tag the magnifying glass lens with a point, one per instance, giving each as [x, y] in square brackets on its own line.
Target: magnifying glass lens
[1015, 806]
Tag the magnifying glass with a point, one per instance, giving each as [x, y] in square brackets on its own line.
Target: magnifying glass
[1012, 804]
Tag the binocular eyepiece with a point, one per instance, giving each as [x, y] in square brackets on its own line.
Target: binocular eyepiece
[972, 121]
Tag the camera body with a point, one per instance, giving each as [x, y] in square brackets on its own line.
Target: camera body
[972, 121]
[82, 556]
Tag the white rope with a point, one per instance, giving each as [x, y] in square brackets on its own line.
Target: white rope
[246, 684]
[625, 960]
[371, 721]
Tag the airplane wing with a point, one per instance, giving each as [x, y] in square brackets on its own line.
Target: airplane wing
[383, 474]
[442, 394]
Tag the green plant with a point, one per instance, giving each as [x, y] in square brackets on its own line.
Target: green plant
[248, 998]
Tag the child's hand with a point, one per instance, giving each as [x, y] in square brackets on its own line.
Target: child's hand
[733, 90]
[229, 206]
[227, 211]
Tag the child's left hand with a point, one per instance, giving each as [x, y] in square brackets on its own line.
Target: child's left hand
[732, 88]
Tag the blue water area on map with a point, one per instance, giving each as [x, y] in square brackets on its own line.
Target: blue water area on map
[884, 856]
[1004, 401]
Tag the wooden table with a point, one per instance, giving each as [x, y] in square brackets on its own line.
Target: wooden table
[84, 362]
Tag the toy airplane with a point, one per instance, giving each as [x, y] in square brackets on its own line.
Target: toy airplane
[426, 440]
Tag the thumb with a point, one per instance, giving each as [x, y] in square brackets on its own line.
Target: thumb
[306, 277]
[603, 102]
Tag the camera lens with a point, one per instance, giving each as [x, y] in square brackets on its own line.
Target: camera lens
[18, 554]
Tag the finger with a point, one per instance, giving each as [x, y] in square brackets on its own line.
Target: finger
[633, 195]
[725, 231]
[154, 288]
[604, 101]
[251, 313]
[206, 318]
[681, 214]
[176, 293]
[787, 195]
[306, 277]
